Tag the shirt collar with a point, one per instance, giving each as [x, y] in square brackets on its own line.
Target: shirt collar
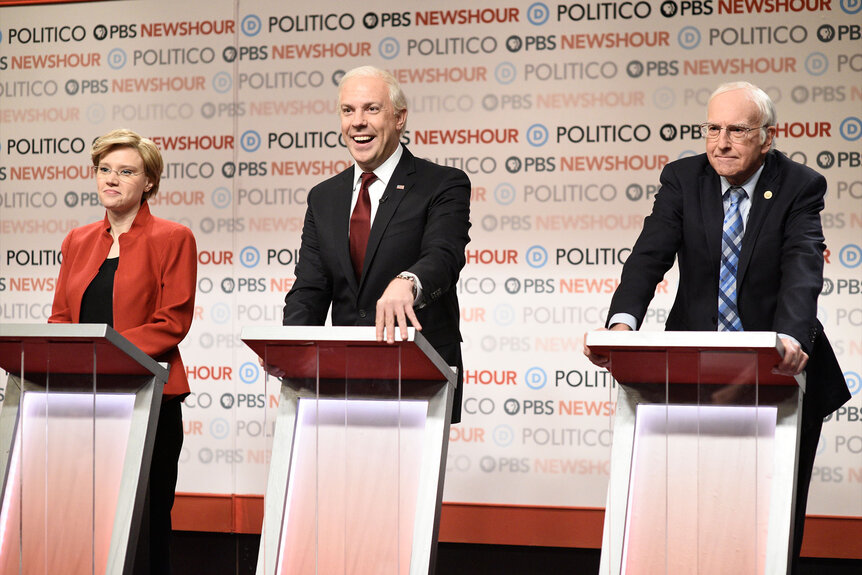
[384, 171]
[748, 185]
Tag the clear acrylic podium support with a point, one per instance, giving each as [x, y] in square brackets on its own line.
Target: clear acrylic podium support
[356, 477]
[76, 435]
[705, 448]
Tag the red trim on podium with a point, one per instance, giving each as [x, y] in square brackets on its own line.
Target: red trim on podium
[519, 525]
[217, 513]
[825, 536]
[833, 537]
[31, 2]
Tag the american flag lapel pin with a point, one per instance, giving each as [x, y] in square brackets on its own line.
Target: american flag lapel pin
[399, 187]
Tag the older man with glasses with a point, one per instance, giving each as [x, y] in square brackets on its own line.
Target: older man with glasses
[743, 220]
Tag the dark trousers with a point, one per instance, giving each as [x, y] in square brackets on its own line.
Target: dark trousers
[153, 556]
[808, 441]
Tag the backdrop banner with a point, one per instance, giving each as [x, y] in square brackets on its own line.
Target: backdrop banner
[562, 114]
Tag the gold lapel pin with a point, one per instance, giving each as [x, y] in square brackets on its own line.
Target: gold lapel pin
[767, 195]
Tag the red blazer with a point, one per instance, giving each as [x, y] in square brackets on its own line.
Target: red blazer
[154, 287]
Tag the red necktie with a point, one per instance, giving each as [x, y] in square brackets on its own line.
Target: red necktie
[360, 224]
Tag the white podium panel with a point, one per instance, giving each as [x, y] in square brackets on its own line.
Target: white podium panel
[356, 478]
[704, 456]
[76, 431]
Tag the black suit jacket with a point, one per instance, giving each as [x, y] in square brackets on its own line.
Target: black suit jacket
[780, 267]
[421, 226]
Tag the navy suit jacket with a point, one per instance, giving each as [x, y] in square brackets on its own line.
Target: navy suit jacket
[780, 267]
[421, 226]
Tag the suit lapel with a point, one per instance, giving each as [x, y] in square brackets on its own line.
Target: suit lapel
[757, 213]
[341, 229]
[399, 185]
[712, 212]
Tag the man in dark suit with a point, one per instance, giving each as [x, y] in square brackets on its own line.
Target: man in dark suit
[404, 265]
[778, 267]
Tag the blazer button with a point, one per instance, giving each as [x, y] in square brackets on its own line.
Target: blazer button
[362, 313]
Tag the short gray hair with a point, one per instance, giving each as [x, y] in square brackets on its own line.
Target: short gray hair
[768, 114]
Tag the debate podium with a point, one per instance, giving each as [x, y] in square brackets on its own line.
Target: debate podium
[358, 454]
[704, 455]
[77, 427]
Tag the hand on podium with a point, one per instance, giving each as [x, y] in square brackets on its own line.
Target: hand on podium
[602, 360]
[395, 307]
[794, 360]
[272, 370]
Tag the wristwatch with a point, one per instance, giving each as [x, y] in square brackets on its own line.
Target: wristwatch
[412, 281]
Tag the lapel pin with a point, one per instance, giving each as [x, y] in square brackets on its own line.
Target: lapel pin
[399, 187]
[767, 195]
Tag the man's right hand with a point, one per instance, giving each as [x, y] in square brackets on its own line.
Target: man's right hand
[394, 309]
[602, 360]
[271, 369]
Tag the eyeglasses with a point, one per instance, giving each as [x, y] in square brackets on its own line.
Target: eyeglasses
[124, 174]
[735, 133]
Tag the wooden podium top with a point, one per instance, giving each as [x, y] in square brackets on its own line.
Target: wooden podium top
[73, 349]
[693, 357]
[346, 352]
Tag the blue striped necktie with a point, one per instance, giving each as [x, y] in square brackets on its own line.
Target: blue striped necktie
[731, 244]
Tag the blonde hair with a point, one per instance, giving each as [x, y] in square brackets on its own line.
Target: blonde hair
[146, 148]
[396, 94]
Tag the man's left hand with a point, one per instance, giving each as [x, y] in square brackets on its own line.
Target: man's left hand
[794, 360]
[395, 307]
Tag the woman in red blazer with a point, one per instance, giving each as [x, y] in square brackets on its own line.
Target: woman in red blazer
[137, 273]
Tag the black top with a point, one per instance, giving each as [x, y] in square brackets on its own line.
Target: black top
[97, 305]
